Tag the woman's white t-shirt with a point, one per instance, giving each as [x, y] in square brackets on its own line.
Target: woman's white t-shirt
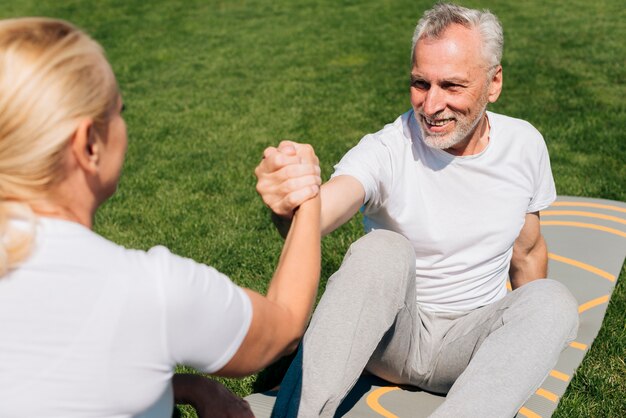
[91, 329]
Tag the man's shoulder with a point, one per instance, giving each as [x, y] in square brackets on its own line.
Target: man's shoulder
[378, 149]
[396, 132]
[510, 125]
[516, 136]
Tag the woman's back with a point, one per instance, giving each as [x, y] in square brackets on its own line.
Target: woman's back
[89, 328]
[96, 329]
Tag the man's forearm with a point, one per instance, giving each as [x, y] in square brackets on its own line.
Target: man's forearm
[341, 198]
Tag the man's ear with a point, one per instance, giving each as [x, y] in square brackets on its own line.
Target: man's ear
[495, 86]
[85, 147]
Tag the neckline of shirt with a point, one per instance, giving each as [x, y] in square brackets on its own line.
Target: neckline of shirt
[52, 224]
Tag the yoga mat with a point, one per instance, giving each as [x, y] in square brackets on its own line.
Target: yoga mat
[586, 245]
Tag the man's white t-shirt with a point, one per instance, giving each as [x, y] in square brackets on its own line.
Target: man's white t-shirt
[462, 214]
[92, 329]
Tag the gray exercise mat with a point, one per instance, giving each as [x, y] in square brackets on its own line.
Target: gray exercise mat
[587, 245]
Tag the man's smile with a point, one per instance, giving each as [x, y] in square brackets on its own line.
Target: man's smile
[436, 124]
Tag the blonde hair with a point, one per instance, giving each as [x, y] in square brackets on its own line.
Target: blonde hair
[52, 75]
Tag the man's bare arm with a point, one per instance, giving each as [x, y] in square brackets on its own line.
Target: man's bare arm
[530, 254]
[284, 183]
[342, 196]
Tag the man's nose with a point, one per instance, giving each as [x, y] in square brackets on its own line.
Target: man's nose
[434, 101]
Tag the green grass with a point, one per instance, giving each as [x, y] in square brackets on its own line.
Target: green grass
[210, 84]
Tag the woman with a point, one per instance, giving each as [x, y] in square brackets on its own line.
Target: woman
[90, 328]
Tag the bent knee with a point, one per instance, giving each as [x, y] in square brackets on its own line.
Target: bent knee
[556, 304]
[384, 257]
[554, 292]
[388, 245]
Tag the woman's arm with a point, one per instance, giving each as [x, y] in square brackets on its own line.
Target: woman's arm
[280, 318]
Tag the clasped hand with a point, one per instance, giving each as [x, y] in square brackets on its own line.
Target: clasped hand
[287, 176]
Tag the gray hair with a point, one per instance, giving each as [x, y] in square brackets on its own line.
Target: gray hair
[442, 15]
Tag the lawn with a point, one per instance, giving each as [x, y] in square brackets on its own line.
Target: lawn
[209, 84]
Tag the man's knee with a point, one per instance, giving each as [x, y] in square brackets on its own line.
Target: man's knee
[386, 248]
[381, 255]
[555, 305]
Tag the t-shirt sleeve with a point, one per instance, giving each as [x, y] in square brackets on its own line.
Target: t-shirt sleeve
[206, 315]
[369, 163]
[544, 189]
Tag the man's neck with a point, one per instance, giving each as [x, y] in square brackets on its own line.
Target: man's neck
[476, 142]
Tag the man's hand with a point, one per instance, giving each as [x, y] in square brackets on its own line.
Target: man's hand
[208, 397]
[288, 176]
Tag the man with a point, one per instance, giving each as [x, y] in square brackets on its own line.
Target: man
[427, 304]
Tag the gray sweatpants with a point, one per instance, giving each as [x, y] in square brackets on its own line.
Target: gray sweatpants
[489, 361]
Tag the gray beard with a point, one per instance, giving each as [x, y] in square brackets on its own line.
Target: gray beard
[444, 142]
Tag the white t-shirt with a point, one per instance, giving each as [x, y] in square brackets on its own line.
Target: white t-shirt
[91, 329]
[462, 214]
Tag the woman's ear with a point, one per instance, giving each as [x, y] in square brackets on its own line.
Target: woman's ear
[85, 147]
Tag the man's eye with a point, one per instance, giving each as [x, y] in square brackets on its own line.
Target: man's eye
[452, 86]
[420, 84]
